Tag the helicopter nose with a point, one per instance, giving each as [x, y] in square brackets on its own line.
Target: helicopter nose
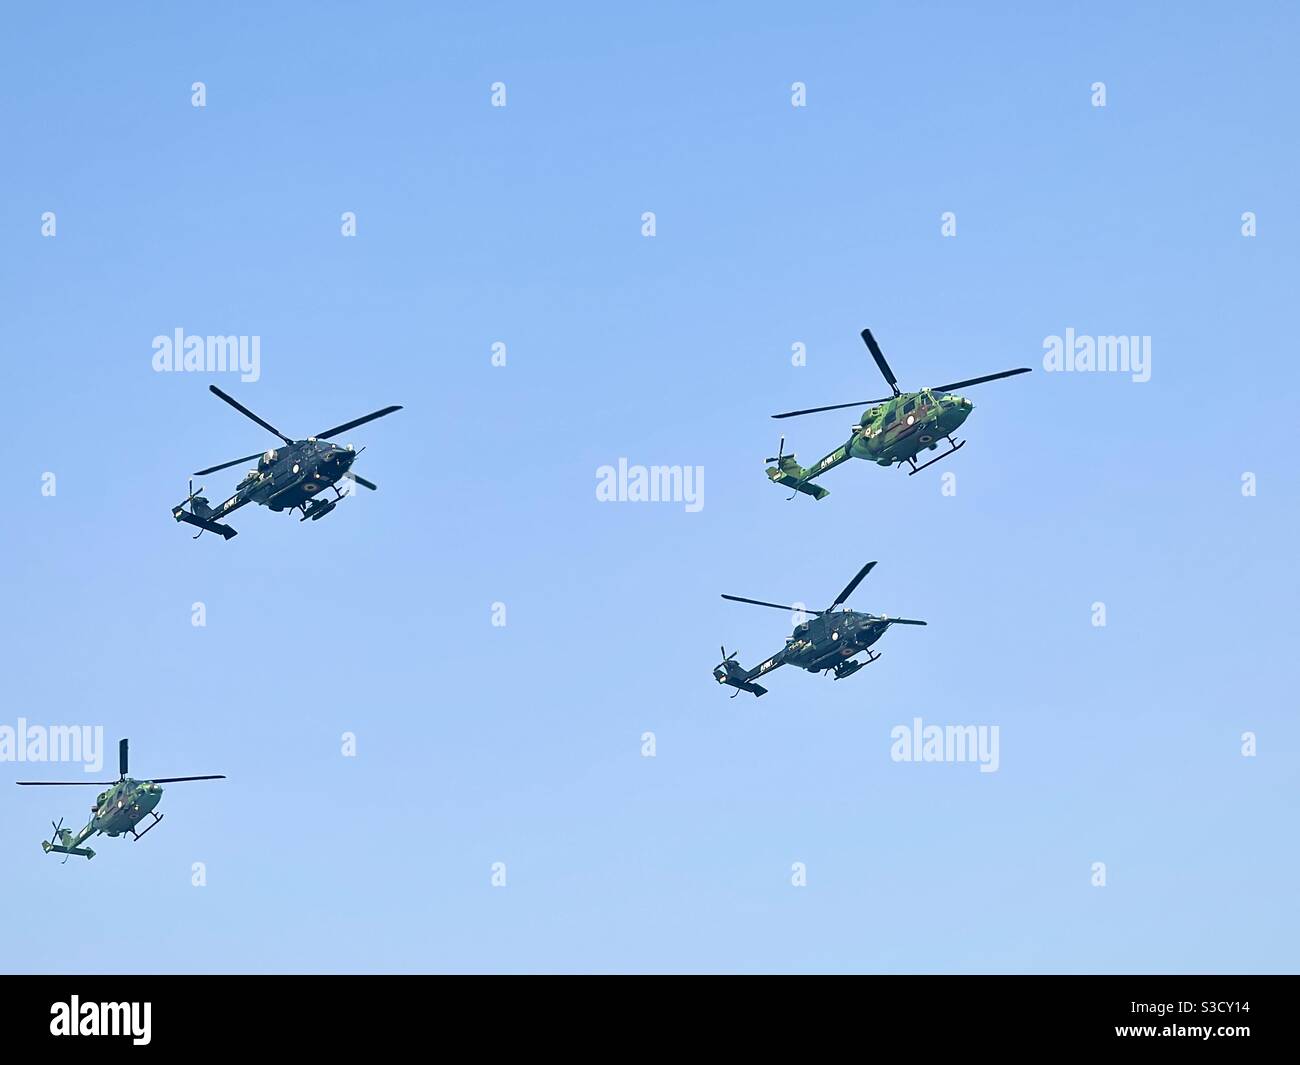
[957, 410]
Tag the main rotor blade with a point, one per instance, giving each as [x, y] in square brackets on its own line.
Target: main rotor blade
[227, 465]
[851, 586]
[981, 380]
[902, 621]
[175, 780]
[759, 602]
[879, 356]
[122, 756]
[248, 413]
[362, 481]
[104, 783]
[837, 406]
[354, 423]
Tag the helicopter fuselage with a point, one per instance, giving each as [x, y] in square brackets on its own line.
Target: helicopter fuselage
[893, 432]
[826, 640]
[290, 476]
[908, 424]
[121, 807]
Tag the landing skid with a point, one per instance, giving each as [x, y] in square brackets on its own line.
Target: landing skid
[956, 446]
[140, 835]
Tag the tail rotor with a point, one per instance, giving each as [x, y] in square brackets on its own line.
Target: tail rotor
[786, 471]
[198, 506]
[733, 674]
[727, 668]
[61, 837]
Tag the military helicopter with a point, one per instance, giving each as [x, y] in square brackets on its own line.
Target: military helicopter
[285, 479]
[116, 811]
[895, 430]
[825, 642]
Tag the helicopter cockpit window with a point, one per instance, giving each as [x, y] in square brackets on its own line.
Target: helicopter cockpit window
[891, 417]
[909, 406]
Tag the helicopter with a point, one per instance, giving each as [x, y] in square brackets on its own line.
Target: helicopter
[116, 811]
[825, 642]
[286, 478]
[893, 431]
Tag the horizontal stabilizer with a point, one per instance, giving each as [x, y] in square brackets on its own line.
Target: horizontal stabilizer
[80, 852]
[746, 686]
[204, 523]
[794, 477]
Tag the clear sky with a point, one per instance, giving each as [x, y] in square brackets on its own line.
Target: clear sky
[775, 225]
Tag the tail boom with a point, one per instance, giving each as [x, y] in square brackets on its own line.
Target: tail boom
[200, 515]
[789, 473]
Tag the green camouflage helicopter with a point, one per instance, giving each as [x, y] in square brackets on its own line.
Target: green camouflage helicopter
[825, 641]
[894, 431]
[116, 811]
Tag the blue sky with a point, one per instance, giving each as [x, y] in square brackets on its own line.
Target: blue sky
[776, 225]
